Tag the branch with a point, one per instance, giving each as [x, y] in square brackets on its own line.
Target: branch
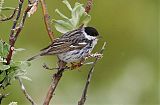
[56, 78]
[88, 6]
[19, 28]
[2, 96]
[11, 16]
[83, 97]
[25, 92]
[12, 39]
[47, 20]
[15, 31]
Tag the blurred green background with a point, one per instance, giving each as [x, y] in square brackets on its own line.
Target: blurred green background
[128, 72]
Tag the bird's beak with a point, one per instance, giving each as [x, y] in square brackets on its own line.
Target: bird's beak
[99, 37]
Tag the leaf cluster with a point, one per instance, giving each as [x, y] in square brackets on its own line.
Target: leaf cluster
[78, 17]
[13, 103]
[14, 69]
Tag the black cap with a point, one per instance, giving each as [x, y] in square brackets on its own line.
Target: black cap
[91, 31]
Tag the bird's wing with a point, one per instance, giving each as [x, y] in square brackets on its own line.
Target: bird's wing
[66, 43]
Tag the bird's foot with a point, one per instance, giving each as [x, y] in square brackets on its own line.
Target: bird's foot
[96, 55]
[75, 66]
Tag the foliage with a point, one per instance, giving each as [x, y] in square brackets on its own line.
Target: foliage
[13, 103]
[14, 69]
[78, 17]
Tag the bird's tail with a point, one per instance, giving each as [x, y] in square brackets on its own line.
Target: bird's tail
[34, 57]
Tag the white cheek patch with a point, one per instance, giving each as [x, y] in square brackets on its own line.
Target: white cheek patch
[88, 36]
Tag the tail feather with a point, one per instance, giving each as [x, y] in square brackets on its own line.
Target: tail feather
[34, 57]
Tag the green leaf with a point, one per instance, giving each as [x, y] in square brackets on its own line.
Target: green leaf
[67, 4]
[1, 59]
[22, 65]
[4, 67]
[3, 15]
[13, 103]
[86, 19]
[62, 26]
[6, 81]
[19, 68]
[77, 13]
[25, 77]
[15, 64]
[5, 49]
[1, 48]
[19, 49]
[2, 75]
[78, 17]
[60, 14]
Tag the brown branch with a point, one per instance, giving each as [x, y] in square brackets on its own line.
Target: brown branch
[11, 16]
[88, 6]
[15, 31]
[19, 29]
[12, 38]
[47, 20]
[25, 91]
[83, 97]
[56, 78]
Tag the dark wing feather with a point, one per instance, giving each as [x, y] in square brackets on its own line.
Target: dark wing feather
[67, 42]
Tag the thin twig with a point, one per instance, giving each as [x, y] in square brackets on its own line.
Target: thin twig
[47, 20]
[83, 97]
[88, 6]
[19, 29]
[2, 96]
[11, 16]
[25, 91]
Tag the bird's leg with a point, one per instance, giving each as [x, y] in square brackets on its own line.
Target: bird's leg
[73, 66]
[62, 64]
[77, 65]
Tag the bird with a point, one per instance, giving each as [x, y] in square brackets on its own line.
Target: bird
[72, 47]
